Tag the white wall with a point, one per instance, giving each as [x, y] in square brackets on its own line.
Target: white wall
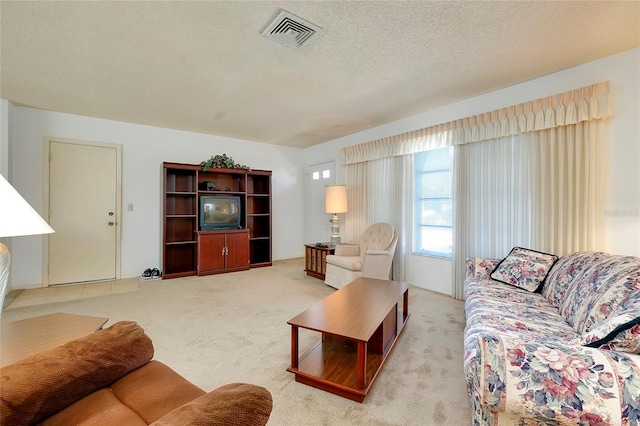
[144, 150]
[5, 132]
[622, 210]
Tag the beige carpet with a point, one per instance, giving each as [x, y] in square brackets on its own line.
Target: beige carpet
[233, 328]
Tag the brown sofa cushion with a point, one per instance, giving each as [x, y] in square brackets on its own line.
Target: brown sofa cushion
[153, 390]
[41, 385]
[235, 404]
[99, 408]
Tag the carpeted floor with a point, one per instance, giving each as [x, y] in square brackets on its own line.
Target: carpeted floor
[233, 328]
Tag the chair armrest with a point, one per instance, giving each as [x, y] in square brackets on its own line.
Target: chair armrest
[347, 250]
[552, 379]
[377, 252]
[235, 404]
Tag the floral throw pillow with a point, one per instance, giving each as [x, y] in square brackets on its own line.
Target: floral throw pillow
[524, 268]
[617, 333]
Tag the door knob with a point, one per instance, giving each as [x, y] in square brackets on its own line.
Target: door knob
[111, 223]
[110, 213]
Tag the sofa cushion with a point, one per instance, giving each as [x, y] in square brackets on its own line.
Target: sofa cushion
[493, 308]
[524, 268]
[99, 408]
[616, 333]
[153, 390]
[41, 385]
[606, 286]
[567, 269]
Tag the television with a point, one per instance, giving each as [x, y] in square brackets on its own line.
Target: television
[219, 212]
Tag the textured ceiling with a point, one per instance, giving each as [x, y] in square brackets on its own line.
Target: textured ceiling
[205, 66]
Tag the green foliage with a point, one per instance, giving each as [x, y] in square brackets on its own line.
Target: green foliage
[221, 161]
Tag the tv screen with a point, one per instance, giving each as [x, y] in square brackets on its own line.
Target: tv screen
[219, 212]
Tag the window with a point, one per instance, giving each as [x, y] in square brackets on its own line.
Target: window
[433, 203]
[326, 174]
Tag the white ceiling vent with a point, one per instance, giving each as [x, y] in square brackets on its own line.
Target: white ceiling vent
[291, 30]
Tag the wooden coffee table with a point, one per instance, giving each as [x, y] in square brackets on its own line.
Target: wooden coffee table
[359, 325]
[32, 335]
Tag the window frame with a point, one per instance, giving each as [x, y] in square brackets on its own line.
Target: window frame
[419, 197]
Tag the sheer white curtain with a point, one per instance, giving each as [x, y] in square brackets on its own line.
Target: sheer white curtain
[379, 179]
[569, 171]
[492, 197]
[530, 174]
[381, 191]
[538, 190]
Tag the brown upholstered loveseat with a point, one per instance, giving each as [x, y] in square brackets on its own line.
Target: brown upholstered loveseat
[108, 378]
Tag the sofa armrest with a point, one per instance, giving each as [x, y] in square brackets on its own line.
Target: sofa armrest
[235, 404]
[556, 381]
[347, 250]
[480, 267]
[39, 386]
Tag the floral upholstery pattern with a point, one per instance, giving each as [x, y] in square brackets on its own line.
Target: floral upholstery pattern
[617, 333]
[526, 363]
[524, 268]
[558, 383]
[480, 268]
[564, 272]
[603, 288]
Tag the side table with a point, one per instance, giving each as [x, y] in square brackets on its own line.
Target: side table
[315, 259]
[26, 337]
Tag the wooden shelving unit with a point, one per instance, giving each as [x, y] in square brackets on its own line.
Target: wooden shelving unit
[259, 217]
[183, 184]
[180, 221]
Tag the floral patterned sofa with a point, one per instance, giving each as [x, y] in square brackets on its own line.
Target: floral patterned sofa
[553, 344]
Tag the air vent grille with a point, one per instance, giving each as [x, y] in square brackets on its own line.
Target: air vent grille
[291, 30]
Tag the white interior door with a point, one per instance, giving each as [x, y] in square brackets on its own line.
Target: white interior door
[84, 211]
[318, 176]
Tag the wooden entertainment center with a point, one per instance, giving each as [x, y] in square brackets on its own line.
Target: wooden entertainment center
[186, 250]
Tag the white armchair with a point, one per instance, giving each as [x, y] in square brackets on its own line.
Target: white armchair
[371, 258]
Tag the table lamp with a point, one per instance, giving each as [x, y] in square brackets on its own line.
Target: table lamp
[17, 218]
[335, 201]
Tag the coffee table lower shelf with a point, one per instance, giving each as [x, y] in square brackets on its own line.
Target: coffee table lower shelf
[333, 365]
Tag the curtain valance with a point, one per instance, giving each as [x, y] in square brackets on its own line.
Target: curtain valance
[583, 104]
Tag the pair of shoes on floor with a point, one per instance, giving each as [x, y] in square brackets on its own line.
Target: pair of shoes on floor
[151, 274]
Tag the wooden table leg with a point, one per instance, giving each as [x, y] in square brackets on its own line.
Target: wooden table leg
[362, 364]
[294, 346]
[405, 307]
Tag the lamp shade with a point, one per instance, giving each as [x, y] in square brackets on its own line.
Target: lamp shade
[17, 217]
[335, 199]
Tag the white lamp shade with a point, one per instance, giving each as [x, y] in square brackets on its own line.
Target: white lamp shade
[335, 199]
[17, 217]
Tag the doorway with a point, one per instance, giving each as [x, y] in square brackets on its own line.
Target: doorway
[82, 198]
[318, 176]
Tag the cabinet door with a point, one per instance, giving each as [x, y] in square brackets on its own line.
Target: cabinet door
[211, 252]
[237, 249]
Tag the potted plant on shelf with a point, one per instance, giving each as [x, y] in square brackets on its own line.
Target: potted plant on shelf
[221, 161]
